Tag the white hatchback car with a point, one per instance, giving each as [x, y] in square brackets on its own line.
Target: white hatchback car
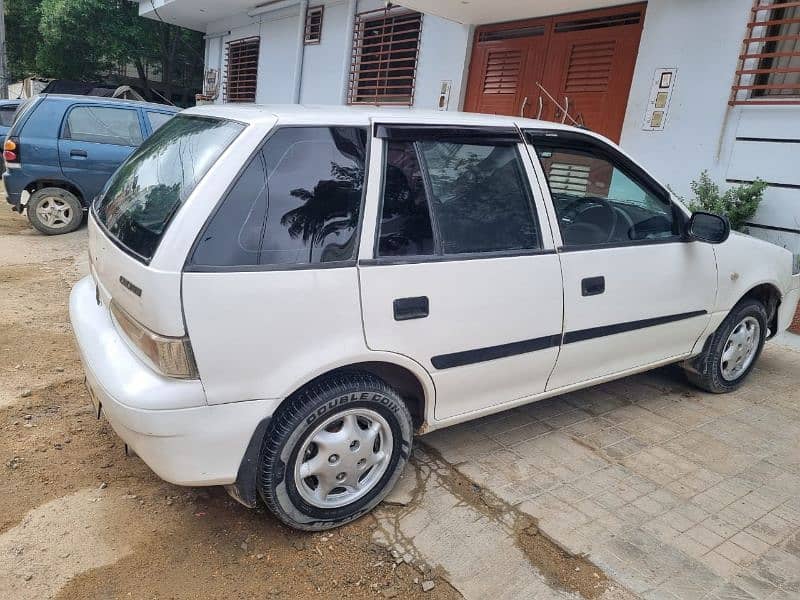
[281, 296]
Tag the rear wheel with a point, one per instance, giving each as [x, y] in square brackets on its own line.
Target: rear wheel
[54, 210]
[733, 350]
[334, 451]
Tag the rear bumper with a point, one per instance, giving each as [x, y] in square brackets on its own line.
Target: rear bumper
[194, 444]
[13, 188]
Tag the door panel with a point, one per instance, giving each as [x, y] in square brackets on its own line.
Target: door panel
[463, 278]
[477, 306]
[89, 165]
[657, 301]
[95, 141]
[502, 64]
[584, 61]
[590, 68]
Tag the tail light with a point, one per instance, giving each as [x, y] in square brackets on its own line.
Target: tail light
[11, 150]
[170, 356]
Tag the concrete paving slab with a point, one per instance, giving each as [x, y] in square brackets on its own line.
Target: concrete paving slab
[671, 491]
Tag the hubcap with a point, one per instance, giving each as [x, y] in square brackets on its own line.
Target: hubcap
[54, 212]
[343, 458]
[740, 349]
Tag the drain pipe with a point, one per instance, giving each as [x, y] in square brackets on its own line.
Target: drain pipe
[301, 49]
[348, 48]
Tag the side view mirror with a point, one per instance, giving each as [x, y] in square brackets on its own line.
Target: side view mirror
[708, 227]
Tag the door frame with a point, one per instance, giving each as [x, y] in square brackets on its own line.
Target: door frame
[474, 82]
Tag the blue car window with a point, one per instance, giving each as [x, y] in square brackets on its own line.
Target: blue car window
[157, 119]
[104, 125]
[7, 115]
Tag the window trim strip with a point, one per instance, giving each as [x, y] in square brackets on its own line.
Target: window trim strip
[467, 134]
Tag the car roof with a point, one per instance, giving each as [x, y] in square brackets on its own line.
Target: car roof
[362, 115]
[12, 101]
[105, 99]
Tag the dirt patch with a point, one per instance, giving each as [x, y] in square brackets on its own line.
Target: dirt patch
[79, 519]
[561, 569]
[573, 573]
[193, 543]
[14, 223]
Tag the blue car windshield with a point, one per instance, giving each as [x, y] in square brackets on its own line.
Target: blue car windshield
[141, 198]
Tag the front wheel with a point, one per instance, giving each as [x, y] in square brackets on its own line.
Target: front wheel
[334, 451]
[734, 349]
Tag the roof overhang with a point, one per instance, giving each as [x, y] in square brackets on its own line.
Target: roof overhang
[481, 12]
[197, 14]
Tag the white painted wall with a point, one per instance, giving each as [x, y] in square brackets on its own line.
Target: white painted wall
[443, 54]
[703, 39]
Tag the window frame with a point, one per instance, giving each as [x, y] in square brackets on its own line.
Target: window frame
[752, 84]
[256, 40]
[64, 129]
[479, 135]
[355, 67]
[582, 142]
[312, 12]
[190, 267]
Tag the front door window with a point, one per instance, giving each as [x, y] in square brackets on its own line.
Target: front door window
[598, 200]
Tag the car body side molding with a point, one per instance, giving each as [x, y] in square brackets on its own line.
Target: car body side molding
[468, 357]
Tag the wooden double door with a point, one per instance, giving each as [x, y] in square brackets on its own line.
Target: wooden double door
[580, 63]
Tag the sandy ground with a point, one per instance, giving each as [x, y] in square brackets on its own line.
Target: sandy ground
[79, 519]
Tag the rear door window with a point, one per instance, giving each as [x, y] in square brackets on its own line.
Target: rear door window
[104, 125]
[298, 202]
[140, 199]
[452, 198]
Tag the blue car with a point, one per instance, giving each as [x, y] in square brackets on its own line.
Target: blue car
[8, 108]
[62, 149]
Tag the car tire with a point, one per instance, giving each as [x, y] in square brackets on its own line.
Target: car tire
[54, 211]
[733, 349]
[349, 428]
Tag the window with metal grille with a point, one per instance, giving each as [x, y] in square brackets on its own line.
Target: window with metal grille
[241, 69]
[314, 25]
[769, 65]
[385, 51]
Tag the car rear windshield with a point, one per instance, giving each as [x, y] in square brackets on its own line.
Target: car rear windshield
[148, 189]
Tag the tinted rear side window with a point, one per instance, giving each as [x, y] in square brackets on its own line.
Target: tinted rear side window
[298, 202]
[480, 198]
[140, 199]
[450, 198]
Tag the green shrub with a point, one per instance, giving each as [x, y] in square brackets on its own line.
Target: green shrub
[738, 203]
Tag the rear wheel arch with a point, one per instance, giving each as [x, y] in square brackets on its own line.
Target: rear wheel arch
[416, 394]
[58, 183]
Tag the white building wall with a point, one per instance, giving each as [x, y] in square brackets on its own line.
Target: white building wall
[703, 40]
[442, 57]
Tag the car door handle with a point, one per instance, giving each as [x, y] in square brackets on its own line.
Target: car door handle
[593, 286]
[406, 309]
[78, 154]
